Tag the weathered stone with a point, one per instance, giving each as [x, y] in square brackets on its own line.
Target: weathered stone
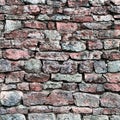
[23, 86]
[69, 116]
[115, 117]
[114, 66]
[60, 17]
[33, 66]
[10, 98]
[5, 65]
[37, 77]
[8, 87]
[111, 44]
[41, 116]
[36, 86]
[112, 77]
[97, 117]
[36, 35]
[15, 54]
[116, 2]
[51, 66]
[91, 88]
[95, 44]
[12, 116]
[103, 18]
[35, 98]
[52, 85]
[95, 78]
[35, 1]
[86, 55]
[86, 66]
[66, 27]
[85, 99]
[70, 86]
[59, 98]
[110, 100]
[43, 17]
[66, 77]
[52, 34]
[100, 67]
[12, 25]
[14, 77]
[73, 46]
[59, 56]
[97, 2]
[68, 67]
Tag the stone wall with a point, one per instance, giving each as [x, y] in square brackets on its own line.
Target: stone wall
[60, 59]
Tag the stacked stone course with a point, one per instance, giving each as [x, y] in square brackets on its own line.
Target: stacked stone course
[60, 59]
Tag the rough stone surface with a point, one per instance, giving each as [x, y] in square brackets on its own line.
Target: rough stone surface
[59, 59]
[10, 98]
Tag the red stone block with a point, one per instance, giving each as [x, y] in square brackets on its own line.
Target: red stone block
[35, 87]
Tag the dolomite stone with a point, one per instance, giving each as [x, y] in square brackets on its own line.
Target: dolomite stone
[34, 1]
[114, 66]
[10, 98]
[12, 25]
[66, 77]
[97, 117]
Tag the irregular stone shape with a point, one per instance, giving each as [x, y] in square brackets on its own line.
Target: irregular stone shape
[114, 66]
[43, 17]
[33, 66]
[10, 98]
[116, 2]
[76, 46]
[70, 86]
[97, 2]
[66, 27]
[59, 56]
[110, 100]
[14, 77]
[97, 117]
[12, 25]
[115, 117]
[35, 98]
[69, 116]
[66, 77]
[68, 67]
[52, 35]
[51, 66]
[15, 54]
[34, 1]
[100, 67]
[111, 44]
[53, 85]
[12, 117]
[95, 78]
[41, 116]
[59, 98]
[86, 66]
[37, 77]
[5, 65]
[112, 77]
[60, 17]
[91, 88]
[86, 100]
[103, 18]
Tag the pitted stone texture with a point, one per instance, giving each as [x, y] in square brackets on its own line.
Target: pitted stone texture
[97, 117]
[100, 67]
[76, 46]
[69, 116]
[97, 2]
[5, 65]
[34, 1]
[86, 100]
[33, 66]
[12, 25]
[41, 116]
[66, 77]
[60, 98]
[52, 35]
[12, 117]
[114, 66]
[115, 117]
[110, 100]
[10, 98]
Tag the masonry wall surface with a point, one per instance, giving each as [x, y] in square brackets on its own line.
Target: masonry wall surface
[60, 59]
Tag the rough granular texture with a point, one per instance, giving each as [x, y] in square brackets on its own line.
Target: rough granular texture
[60, 59]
